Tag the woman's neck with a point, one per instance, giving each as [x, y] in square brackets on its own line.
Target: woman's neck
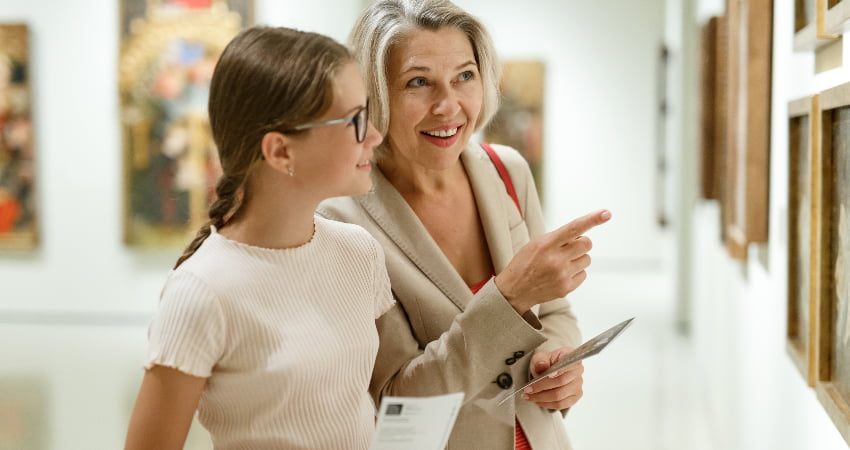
[413, 180]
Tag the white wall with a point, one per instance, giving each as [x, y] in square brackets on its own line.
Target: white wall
[753, 392]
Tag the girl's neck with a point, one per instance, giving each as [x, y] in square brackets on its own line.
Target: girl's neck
[276, 224]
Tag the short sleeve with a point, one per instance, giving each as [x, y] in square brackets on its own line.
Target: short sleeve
[383, 293]
[188, 331]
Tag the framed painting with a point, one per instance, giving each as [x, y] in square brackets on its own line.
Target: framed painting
[747, 141]
[810, 24]
[712, 113]
[832, 265]
[168, 52]
[519, 121]
[803, 134]
[18, 211]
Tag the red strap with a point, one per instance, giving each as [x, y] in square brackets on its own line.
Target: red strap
[506, 177]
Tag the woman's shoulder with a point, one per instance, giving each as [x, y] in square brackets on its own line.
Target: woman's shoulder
[341, 209]
[510, 156]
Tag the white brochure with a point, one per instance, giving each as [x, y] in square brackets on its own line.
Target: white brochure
[416, 423]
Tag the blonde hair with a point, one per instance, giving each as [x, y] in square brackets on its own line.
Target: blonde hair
[267, 79]
[387, 22]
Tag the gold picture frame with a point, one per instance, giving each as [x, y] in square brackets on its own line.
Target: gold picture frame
[168, 52]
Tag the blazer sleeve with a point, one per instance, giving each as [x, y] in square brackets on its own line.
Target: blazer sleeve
[560, 325]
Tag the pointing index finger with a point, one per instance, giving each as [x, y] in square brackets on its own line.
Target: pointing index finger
[569, 232]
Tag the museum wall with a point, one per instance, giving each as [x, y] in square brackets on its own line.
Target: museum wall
[737, 308]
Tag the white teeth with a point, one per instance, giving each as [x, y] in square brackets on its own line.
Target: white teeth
[443, 133]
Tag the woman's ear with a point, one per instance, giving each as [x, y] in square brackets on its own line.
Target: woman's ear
[278, 152]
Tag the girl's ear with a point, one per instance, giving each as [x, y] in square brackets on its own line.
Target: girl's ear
[278, 152]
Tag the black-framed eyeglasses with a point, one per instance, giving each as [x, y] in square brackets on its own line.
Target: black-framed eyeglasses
[360, 120]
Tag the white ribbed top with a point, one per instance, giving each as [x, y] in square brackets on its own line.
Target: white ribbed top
[286, 337]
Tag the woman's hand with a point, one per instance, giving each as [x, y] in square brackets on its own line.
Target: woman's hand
[551, 265]
[560, 390]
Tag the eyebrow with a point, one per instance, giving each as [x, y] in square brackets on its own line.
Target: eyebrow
[428, 69]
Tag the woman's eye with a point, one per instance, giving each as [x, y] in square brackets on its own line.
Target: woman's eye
[466, 76]
[417, 82]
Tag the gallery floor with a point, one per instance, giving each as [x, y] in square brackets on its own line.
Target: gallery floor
[639, 393]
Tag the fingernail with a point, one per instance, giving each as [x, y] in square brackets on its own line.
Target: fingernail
[528, 390]
[605, 215]
[525, 396]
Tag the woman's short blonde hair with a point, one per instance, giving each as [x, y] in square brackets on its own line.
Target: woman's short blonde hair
[388, 22]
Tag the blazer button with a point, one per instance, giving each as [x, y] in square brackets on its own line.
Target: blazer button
[513, 359]
[504, 380]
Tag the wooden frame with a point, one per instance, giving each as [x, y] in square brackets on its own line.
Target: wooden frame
[745, 194]
[713, 75]
[836, 16]
[803, 136]
[168, 52]
[18, 200]
[811, 24]
[831, 267]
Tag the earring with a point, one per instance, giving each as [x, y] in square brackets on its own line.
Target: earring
[291, 171]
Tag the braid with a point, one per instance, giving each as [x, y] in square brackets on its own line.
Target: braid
[226, 204]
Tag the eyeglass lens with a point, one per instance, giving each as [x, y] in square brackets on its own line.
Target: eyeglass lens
[360, 124]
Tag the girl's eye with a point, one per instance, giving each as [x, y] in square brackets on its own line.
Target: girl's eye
[417, 82]
[466, 76]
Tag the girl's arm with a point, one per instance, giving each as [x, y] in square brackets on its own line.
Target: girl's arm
[164, 409]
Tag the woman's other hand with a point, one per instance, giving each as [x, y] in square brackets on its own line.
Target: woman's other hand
[560, 390]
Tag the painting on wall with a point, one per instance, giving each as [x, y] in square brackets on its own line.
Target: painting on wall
[747, 141]
[18, 213]
[519, 121]
[168, 52]
[799, 307]
[833, 264]
[23, 414]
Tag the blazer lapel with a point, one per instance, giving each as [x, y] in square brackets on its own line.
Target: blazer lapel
[495, 207]
[395, 217]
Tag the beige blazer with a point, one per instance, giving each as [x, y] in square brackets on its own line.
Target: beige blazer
[440, 338]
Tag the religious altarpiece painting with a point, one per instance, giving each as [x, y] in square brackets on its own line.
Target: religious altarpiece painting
[169, 49]
[832, 282]
[519, 121]
[803, 132]
[18, 212]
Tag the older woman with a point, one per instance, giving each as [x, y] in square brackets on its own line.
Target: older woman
[479, 284]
